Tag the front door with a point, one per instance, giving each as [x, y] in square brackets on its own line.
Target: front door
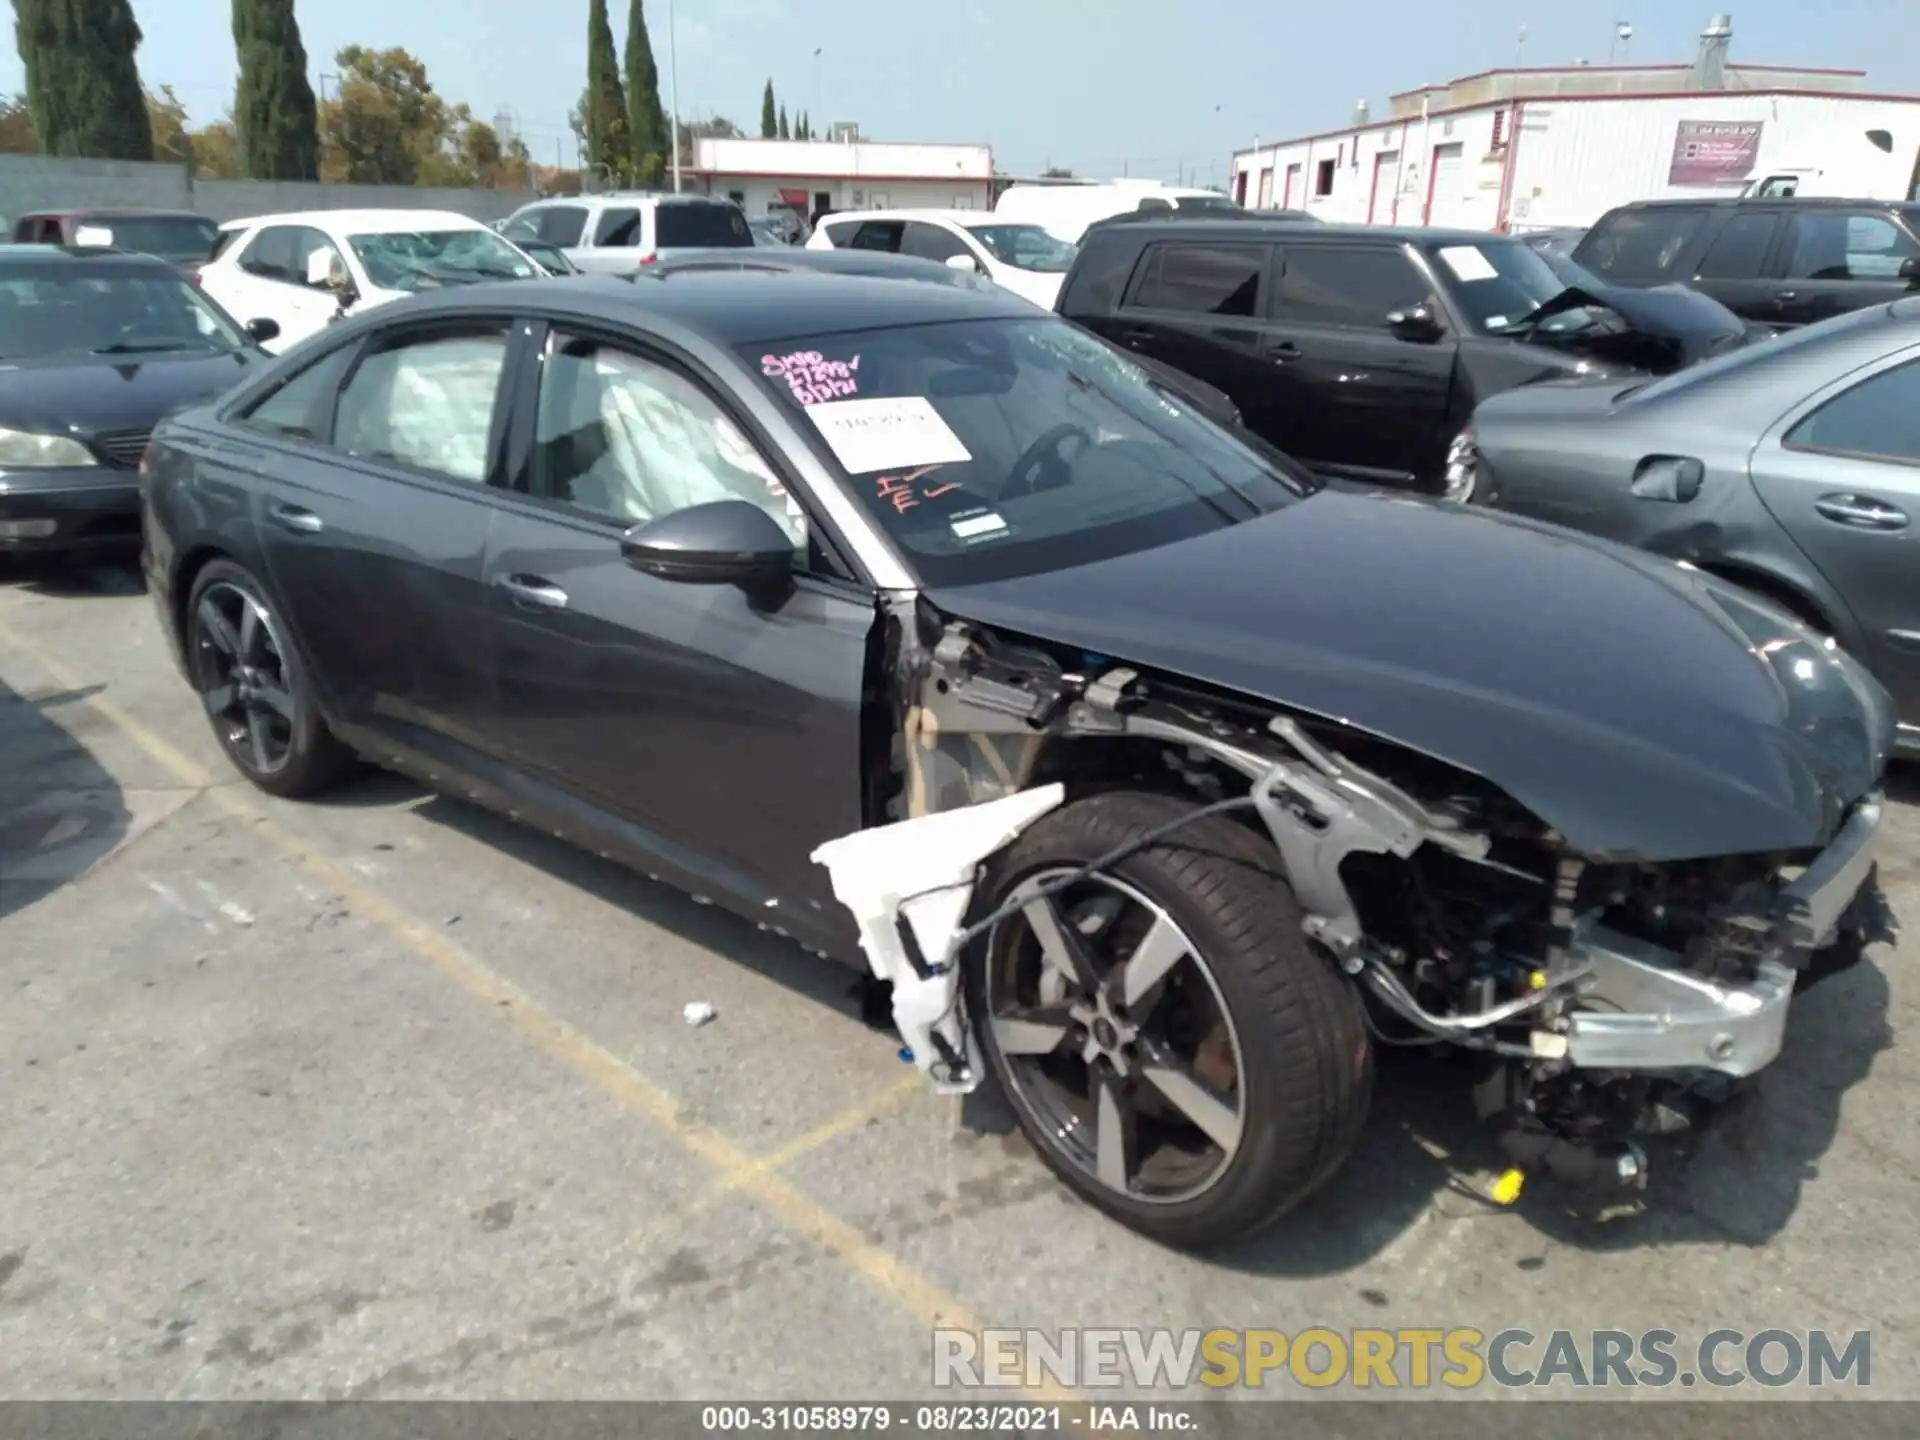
[726, 727]
[1834, 260]
[374, 523]
[1372, 404]
[1197, 306]
[272, 284]
[1736, 268]
[1842, 476]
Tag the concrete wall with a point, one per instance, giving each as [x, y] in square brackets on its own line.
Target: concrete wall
[34, 182]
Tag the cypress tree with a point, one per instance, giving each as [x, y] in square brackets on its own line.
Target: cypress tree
[646, 121]
[274, 114]
[769, 127]
[83, 84]
[606, 100]
[785, 134]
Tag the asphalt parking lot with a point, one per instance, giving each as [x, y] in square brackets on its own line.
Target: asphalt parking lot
[385, 1097]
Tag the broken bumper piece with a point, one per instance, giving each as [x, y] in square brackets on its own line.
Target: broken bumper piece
[908, 886]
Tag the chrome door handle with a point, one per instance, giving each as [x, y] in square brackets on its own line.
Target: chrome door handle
[1860, 512]
[297, 518]
[533, 592]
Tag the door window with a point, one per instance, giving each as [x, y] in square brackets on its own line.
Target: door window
[1879, 417]
[1739, 250]
[301, 407]
[270, 255]
[630, 440]
[1846, 245]
[1640, 244]
[562, 225]
[1202, 279]
[877, 235]
[428, 403]
[1328, 285]
[617, 229]
[930, 242]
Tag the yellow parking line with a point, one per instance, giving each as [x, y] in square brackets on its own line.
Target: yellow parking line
[739, 1170]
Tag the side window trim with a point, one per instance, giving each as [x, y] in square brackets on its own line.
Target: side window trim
[242, 408]
[649, 349]
[1905, 359]
[448, 327]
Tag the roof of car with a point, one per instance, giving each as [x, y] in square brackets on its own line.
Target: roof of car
[112, 212]
[740, 307]
[951, 217]
[365, 222]
[1808, 202]
[627, 197]
[1246, 226]
[92, 255]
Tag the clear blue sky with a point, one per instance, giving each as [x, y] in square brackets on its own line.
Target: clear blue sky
[1097, 85]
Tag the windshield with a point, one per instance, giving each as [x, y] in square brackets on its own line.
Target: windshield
[73, 311]
[183, 239]
[429, 259]
[1025, 247]
[993, 448]
[1497, 284]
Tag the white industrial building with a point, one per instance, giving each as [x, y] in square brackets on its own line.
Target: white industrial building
[842, 173]
[1528, 149]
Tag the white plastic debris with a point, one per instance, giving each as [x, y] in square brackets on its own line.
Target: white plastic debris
[697, 1012]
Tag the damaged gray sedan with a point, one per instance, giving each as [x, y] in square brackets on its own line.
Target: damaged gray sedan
[1140, 773]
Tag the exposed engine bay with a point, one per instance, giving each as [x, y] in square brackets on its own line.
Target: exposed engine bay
[1604, 998]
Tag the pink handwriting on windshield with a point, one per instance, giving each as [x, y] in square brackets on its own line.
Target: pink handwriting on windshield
[812, 377]
[899, 489]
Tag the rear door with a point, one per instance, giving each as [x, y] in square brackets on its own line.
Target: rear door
[723, 730]
[1842, 475]
[1833, 259]
[1199, 306]
[381, 462]
[697, 225]
[1736, 265]
[612, 244]
[1367, 403]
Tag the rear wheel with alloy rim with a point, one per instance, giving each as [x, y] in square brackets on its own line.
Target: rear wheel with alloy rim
[255, 689]
[1171, 1043]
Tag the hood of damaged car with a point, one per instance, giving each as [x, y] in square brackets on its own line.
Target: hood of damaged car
[1640, 708]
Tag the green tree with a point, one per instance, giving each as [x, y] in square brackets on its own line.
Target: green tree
[216, 151]
[387, 122]
[17, 135]
[83, 83]
[785, 134]
[167, 121]
[646, 121]
[274, 114]
[769, 126]
[606, 101]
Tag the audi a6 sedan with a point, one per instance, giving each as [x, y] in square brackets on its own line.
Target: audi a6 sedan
[1152, 780]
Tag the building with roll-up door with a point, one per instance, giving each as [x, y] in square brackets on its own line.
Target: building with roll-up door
[841, 172]
[1533, 149]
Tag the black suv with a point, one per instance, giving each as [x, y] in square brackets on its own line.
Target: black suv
[1362, 351]
[1781, 261]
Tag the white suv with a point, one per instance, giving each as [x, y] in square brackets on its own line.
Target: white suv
[1016, 256]
[619, 232]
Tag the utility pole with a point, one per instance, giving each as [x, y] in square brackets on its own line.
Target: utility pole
[673, 95]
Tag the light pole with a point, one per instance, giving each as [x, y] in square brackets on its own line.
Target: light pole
[673, 95]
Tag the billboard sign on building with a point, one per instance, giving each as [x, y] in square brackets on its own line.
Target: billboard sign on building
[1714, 152]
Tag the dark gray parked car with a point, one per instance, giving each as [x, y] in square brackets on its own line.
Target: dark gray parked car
[1792, 466]
[710, 573]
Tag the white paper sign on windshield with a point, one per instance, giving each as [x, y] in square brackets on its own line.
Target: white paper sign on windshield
[93, 237]
[887, 433]
[1467, 262]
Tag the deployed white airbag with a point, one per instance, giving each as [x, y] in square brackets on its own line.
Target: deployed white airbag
[922, 871]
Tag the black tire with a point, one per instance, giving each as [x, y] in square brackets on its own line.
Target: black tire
[302, 756]
[1304, 1058]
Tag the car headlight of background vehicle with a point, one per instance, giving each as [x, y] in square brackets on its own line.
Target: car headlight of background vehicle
[24, 450]
[1463, 467]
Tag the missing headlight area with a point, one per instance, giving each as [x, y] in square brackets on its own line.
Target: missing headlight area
[1174, 909]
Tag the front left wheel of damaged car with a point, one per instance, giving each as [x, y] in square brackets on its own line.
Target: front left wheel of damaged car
[1171, 1042]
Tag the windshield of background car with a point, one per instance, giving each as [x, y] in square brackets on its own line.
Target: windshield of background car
[72, 309]
[683, 225]
[994, 448]
[430, 259]
[1497, 284]
[183, 239]
[1025, 247]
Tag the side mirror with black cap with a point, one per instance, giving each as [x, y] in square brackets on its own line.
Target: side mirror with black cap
[1910, 268]
[723, 542]
[263, 330]
[1417, 322]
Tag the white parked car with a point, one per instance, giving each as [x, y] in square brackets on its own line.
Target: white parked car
[304, 271]
[1022, 258]
[1065, 211]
